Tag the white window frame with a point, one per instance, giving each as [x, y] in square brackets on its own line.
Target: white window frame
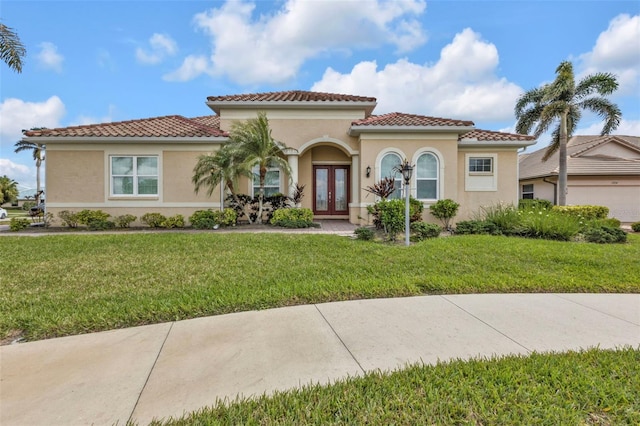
[255, 189]
[379, 176]
[437, 178]
[484, 161]
[134, 176]
[481, 181]
[531, 192]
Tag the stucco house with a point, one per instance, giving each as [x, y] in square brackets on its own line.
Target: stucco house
[601, 170]
[337, 147]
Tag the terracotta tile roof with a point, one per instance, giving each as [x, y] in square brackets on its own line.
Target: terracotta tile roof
[409, 120]
[583, 158]
[489, 135]
[291, 96]
[208, 120]
[167, 126]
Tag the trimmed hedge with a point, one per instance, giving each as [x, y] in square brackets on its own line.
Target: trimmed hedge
[583, 212]
[293, 218]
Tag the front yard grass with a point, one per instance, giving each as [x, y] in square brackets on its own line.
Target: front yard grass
[594, 387]
[70, 284]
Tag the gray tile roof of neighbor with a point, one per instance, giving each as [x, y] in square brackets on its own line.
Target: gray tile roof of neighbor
[587, 155]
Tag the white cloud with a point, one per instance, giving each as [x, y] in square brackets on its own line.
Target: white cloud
[272, 48]
[85, 119]
[617, 50]
[191, 67]
[49, 58]
[161, 46]
[626, 127]
[24, 175]
[16, 115]
[461, 84]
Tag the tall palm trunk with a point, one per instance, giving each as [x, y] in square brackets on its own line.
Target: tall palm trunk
[263, 175]
[562, 163]
[38, 164]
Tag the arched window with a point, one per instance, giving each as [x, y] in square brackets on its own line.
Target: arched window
[427, 177]
[388, 168]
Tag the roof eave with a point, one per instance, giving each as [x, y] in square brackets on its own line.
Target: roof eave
[368, 107]
[495, 143]
[125, 139]
[357, 130]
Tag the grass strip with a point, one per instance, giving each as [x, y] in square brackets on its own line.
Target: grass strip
[71, 284]
[593, 387]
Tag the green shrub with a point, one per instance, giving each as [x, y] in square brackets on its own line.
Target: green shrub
[153, 220]
[445, 210]
[293, 218]
[391, 216]
[85, 216]
[548, 225]
[176, 221]
[467, 227]
[364, 233]
[423, 230]
[97, 224]
[415, 211]
[635, 226]
[27, 205]
[69, 219]
[124, 221]
[203, 219]
[584, 212]
[226, 217]
[18, 223]
[208, 219]
[610, 221]
[506, 217]
[605, 235]
[536, 203]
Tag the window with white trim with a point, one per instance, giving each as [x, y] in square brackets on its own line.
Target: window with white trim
[134, 175]
[527, 191]
[482, 165]
[271, 181]
[389, 168]
[427, 177]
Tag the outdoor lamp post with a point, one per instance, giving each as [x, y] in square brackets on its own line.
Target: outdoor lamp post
[407, 171]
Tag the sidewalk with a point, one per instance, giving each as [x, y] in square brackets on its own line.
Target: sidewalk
[174, 368]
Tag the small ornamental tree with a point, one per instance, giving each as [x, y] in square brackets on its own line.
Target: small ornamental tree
[445, 210]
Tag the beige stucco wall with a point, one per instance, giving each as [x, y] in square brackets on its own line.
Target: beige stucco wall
[507, 182]
[75, 176]
[541, 190]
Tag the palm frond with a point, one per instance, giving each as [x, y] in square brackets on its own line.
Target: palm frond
[606, 110]
[601, 83]
[12, 51]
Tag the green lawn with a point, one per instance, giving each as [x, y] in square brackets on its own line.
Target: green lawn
[576, 388]
[69, 284]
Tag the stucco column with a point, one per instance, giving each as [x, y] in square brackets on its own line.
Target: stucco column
[292, 159]
[355, 179]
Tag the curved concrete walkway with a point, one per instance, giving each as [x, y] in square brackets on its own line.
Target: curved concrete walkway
[171, 369]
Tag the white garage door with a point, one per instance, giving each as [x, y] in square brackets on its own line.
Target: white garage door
[623, 201]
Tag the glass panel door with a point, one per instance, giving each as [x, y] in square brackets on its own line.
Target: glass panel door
[331, 190]
[322, 190]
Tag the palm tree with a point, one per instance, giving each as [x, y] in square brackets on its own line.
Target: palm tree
[561, 103]
[8, 189]
[252, 142]
[223, 167]
[38, 156]
[11, 48]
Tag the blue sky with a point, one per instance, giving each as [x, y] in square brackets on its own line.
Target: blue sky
[97, 61]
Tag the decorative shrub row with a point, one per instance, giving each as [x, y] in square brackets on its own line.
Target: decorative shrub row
[584, 212]
[95, 220]
[209, 219]
[293, 218]
[576, 222]
[157, 220]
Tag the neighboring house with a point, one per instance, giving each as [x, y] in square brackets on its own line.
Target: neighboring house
[337, 148]
[601, 170]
